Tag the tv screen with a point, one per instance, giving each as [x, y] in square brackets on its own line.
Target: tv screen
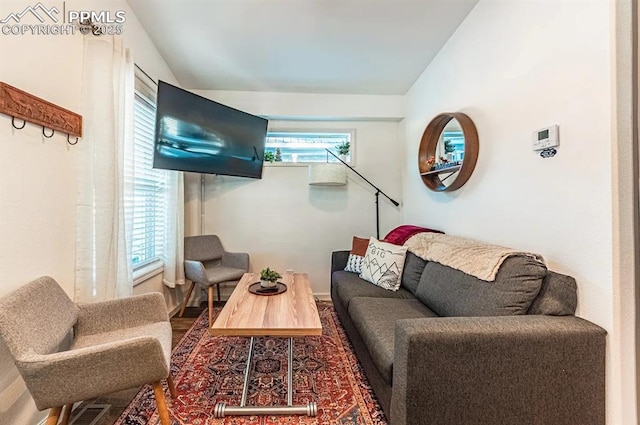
[203, 136]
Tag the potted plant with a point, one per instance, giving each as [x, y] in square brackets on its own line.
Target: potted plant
[343, 150]
[269, 156]
[449, 149]
[268, 278]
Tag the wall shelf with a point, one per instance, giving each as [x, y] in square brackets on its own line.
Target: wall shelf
[452, 169]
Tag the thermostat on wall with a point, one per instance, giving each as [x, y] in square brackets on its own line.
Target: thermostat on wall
[545, 138]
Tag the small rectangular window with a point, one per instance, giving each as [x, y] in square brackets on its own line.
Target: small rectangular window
[301, 147]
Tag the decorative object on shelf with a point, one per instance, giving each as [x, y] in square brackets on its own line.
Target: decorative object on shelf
[21, 105]
[430, 163]
[269, 156]
[456, 159]
[278, 156]
[449, 149]
[269, 278]
[322, 175]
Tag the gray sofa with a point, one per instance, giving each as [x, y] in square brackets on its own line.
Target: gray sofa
[450, 349]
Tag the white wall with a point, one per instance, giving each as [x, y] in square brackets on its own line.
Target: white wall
[312, 106]
[37, 186]
[281, 221]
[515, 67]
[38, 175]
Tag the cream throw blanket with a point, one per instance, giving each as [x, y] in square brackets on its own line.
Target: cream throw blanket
[471, 257]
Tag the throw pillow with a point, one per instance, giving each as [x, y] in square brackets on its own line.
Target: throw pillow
[358, 249]
[383, 263]
[359, 246]
[354, 264]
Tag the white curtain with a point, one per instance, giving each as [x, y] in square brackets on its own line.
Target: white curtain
[103, 234]
[174, 231]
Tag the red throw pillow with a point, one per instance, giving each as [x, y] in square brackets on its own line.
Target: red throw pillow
[359, 246]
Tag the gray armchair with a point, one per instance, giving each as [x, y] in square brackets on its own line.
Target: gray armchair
[68, 353]
[208, 264]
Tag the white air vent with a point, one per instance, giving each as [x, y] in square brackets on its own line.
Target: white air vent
[89, 414]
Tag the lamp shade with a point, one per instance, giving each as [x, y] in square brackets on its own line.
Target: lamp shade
[325, 174]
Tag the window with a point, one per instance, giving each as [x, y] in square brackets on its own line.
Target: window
[306, 147]
[147, 206]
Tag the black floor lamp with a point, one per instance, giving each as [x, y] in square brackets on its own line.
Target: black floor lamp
[330, 176]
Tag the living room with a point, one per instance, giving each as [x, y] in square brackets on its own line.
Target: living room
[513, 67]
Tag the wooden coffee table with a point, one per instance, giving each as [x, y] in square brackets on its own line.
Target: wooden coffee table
[288, 315]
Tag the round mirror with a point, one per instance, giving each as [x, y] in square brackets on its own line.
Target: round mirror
[448, 152]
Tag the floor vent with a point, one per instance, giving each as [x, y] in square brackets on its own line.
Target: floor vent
[89, 414]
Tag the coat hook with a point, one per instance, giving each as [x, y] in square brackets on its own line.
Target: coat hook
[13, 123]
[45, 135]
[69, 141]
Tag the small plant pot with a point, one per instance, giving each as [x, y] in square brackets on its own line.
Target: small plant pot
[268, 284]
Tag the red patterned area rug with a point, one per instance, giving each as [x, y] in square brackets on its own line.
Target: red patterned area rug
[210, 369]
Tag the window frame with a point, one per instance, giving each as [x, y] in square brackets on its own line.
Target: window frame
[352, 144]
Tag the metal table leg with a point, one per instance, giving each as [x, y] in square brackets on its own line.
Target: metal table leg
[311, 409]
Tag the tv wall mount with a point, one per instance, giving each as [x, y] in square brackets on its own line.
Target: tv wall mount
[23, 106]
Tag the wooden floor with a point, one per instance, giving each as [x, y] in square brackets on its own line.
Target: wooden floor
[180, 325]
[120, 400]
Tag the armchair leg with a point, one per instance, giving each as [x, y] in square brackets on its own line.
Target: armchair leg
[172, 386]
[186, 299]
[54, 414]
[218, 289]
[210, 290]
[66, 414]
[161, 402]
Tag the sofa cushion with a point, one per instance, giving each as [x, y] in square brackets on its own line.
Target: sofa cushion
[558, 296]
[375, 320]
[348, 286]
[450, 292]
[383, 264]
[412, 272]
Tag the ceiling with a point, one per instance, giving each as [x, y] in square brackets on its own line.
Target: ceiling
[311, 46]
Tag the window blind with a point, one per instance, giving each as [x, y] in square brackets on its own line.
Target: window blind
[147, 204]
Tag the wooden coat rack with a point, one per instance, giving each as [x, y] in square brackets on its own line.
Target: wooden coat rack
[27, 107]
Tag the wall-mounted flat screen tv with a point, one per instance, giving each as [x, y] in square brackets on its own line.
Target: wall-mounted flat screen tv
[199, 135]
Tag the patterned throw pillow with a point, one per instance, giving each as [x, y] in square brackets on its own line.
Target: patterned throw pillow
[383, 263]
[354, 264]
[358, 249]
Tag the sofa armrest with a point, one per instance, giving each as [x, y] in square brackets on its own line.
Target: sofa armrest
[121, 314]
[239, 260]
[498, 370]
[339, 260]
